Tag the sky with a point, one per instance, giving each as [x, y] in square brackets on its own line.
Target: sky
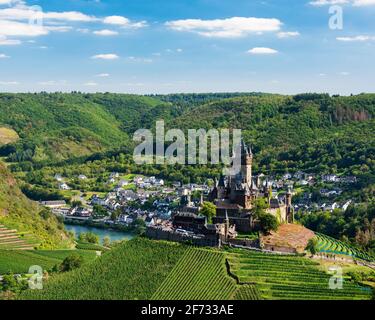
[175, 46]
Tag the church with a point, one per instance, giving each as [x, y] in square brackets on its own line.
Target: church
[234, 196]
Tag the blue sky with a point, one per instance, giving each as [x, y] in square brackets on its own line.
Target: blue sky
[165, 46]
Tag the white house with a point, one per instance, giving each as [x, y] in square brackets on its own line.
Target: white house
[64, 186]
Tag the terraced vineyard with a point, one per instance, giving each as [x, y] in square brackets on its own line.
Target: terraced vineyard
[330, 245]
[199, 275]
[247, 292]
[19, 261]
[12, 240]
[290, 278]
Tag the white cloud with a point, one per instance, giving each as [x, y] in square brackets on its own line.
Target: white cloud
[355, 3]
[363, 3]
[90, 84]
[24, 12]
[226, 28]
[124, 22]
[15, 28]
[58, 28]
[2, 2]
[359, 38]
[106, 32]
[289, 34]
[320, 3]
[116, 20]
[9, 83]
[103, 75]
[3, 56]
[106, 56]
[137, 59]
[4, 41]
[262, 50]
[344, 73]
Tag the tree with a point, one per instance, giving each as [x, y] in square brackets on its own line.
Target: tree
[92, 238]
[312, 246]
[209, 211]
[106, 241]
[71, 262]
[268, 223]
[139, 226]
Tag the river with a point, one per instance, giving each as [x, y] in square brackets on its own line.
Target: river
[102, 233]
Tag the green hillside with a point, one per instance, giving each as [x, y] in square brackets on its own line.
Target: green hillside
[131, 271]
[19, 262]
[145, 269]
[290, 278]
[26, 218]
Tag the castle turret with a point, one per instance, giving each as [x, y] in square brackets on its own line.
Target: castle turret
[246, 163]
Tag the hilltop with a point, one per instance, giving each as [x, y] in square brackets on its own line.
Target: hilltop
[23, 219]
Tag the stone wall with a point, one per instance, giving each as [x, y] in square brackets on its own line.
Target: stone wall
[160, 234]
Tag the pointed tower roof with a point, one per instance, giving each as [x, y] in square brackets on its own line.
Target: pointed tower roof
[245, 149]
[221, 181]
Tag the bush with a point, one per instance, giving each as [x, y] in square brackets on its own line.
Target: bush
[71, 262]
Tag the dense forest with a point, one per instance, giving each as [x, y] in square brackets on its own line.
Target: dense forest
[90, 134]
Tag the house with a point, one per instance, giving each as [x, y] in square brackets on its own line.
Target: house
[53, 204]
[330, 178]
[287, 176]
[114, 175]
[64, 186]
[346, 205]
[58, 177]
[82, 177]
[123, 183]
[150, 221]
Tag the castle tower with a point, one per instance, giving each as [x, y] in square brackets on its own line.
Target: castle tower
[246, 163]
[221, 188]
[289, 208]
[226, 221]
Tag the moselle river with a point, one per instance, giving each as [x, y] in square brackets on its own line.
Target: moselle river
[102, 233]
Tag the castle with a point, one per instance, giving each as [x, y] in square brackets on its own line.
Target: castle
[235, 195]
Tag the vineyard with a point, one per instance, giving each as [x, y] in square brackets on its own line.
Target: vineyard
[12, 240]
[17, 261]
[289, 277]
[330, 245]
[199, 275]
[158, 270]
[130, 271]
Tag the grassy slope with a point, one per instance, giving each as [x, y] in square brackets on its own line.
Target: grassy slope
[20, 261]
[133, 270]
[200, 274]
[7, 135]
[17, 212]
[145, 269]
[290, 278]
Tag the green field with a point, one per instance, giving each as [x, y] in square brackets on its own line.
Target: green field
[145, 269]
[330, 245]
[16, 261]
[133, 270]
[290, 278]
[199, 275]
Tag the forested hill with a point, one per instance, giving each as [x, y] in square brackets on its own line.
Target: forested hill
[308, 131]
[33, 225]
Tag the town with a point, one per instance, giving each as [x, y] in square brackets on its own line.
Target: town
[172, 210]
